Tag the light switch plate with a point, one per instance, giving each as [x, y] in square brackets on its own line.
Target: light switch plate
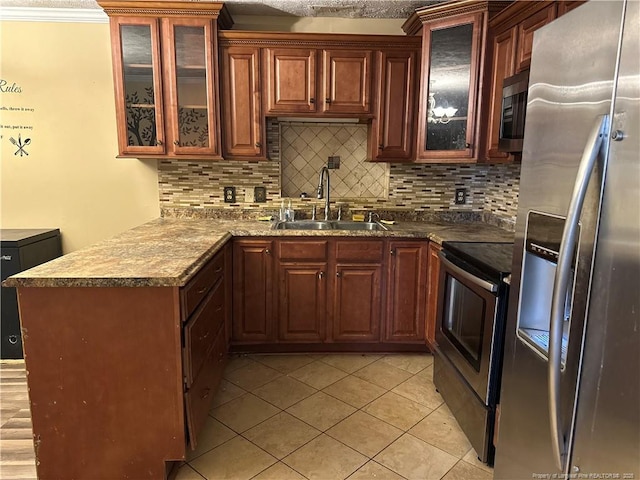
[260, 194]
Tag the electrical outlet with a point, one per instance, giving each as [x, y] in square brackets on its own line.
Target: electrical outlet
[229, 194]
[461, 196]
[260, 194]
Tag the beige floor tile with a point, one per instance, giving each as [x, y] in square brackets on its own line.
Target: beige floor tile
[349, 363]
[355, 391]
[213, 433]
[325, 459]
[364, 433]
[244, 412]
[464, 471]
[185, 472]
[383, 374]
[321, 411]
[472, 458]
[397, 410]
[237, 459]
[19, 472]
[441, 430]
[319, 375]
[426, 374]
[252, 376]
[412, 363]
[281, 434]
[374, 471]
[279, 471]
[237, 361]
[226, 392]
[283, 363]
[421, 390]
[416, 460]
[284, 391]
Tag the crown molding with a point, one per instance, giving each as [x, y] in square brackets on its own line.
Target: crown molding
[64, 15]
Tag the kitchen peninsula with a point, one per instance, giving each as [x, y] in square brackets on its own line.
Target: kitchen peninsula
[113, 341]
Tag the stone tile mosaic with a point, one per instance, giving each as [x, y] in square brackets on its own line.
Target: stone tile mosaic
[409, 191]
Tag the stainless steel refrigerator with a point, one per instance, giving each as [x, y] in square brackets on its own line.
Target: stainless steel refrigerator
[570, 402]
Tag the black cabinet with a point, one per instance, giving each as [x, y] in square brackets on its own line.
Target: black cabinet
[21, 249]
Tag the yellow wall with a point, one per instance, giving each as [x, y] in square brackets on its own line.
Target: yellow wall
[71, 178]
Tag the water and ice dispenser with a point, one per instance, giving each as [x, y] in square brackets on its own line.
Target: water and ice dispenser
[542, 244]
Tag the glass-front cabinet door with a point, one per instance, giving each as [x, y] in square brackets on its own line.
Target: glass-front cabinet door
[138, 85]
[189, 54]
[451, 57]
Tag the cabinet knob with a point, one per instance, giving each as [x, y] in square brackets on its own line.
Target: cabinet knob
[258, 144]
[158, 142]
[381, 147]
[320, 274]
[338, 274]
[176, 142]
[267, 251]
[312, 100]
[327, 100]
[392, 251]
[467, 145]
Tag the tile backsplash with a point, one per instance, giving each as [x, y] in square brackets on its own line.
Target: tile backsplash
[491, 189]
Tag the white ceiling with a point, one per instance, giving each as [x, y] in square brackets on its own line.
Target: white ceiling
[297, 8]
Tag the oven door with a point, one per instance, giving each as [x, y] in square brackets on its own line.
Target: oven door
[467, 308]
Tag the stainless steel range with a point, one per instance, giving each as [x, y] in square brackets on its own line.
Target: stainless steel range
[470, 335]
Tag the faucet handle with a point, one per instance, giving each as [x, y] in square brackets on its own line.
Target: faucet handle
[339, 212]
[371, 215]
[313, 212]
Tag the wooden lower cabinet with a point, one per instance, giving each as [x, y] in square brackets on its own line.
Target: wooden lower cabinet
[329, 291]
[406, 291]
[357, 303]
[253, 291]
[302, 302]
[126, 383]
[433, 274]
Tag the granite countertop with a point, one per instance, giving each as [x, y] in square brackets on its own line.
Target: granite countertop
[166, 252]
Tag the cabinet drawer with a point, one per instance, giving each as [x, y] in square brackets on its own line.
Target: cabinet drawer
[193, 293]
[198, 398]
[369, 251]
[200, 331]
[297, 250]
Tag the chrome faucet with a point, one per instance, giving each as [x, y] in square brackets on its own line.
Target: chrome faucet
[321, 190]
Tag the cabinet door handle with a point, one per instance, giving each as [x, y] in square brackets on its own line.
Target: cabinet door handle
[176, 142]
[320, 275]
[267, 251]
[205, 393]
[202, 290]
[312, 100]
[338, 274]
[159, 142]
[327, 100]
[381, 147]
[218, 270]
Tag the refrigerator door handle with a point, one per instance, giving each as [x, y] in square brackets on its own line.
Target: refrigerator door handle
[562, 282]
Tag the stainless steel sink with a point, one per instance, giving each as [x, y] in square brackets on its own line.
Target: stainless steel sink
[303, 225]
[347, 225]
[328, 225]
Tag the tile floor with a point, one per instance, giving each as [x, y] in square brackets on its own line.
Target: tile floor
[331, 417]
[281, 417]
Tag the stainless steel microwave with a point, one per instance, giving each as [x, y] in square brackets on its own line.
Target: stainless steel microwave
[514, 109]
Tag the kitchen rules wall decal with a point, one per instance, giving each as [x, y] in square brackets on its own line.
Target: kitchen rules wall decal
[16, 118]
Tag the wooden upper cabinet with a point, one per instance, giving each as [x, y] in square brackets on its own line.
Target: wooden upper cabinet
[568, 5]
[525, 35]
[393, 126]
[166, 91]
[502, 66]
[135, 43]
[291, 80]
[243, 125]
[346, 77]
[190, 54]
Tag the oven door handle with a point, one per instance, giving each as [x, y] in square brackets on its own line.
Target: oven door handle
[484, 284]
